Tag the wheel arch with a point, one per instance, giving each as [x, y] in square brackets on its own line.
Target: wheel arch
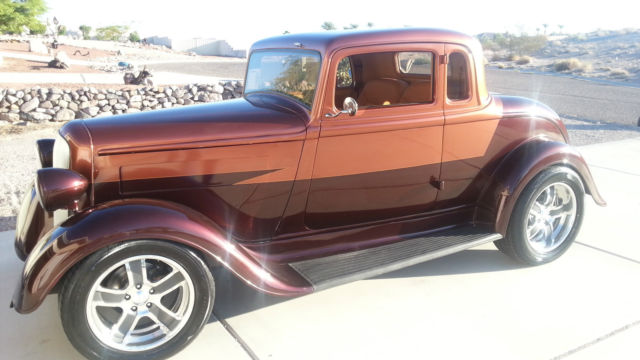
[137, 219]
[518, 168]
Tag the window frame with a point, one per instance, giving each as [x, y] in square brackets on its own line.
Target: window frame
[405, 114]
[470, 93]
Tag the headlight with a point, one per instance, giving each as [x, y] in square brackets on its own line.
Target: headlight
[59, 188]
[61, 153]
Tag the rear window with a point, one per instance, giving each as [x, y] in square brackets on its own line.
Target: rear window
[418, 63]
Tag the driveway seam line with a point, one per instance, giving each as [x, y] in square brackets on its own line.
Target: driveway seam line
[608, 252]
[598, 340]
[237, 338]
[616, 170]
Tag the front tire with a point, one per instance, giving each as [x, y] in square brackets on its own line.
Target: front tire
[546, 219]
[136, 300]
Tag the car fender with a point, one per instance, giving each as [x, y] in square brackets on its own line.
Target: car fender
[135, 219]
[522, 164]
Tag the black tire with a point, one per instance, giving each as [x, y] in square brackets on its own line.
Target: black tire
[80, 281]
[516, 243]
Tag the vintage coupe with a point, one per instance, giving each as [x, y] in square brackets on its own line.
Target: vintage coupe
[351, 154]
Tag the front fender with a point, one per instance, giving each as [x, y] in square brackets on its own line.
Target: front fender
[134, 219]
[518, 168]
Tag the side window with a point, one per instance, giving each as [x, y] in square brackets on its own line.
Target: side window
[344, 77]
[457, 77]
[381, 79]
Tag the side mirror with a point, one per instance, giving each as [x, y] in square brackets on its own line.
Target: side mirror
[349, 106]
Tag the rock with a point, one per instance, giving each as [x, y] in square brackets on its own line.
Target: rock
[55, 97]
[203, 97]
[104, 113]
[38, 117]
[82, 115]
[66, 97]
[27, 97]
[173, 100]
[83, 98]
[37, 46]
[40, 110]
[92, 110]
[120, 106]
[30, 105]
[73, 106]
[50, 112]
[101, 96]
[135, 98]
[102, 103]
[11, 91]
[63, 104]
[62, 57]
[219, 89]
[135, 104]
[113, 101]
[105, 108]
[46, 105]
[215, 97]
[130, 111]
[20, 94]
[168, 92]
[11, 99]
[167, 105]
[188, 101]
[10, 117]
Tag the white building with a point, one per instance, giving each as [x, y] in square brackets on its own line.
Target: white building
[199, 46]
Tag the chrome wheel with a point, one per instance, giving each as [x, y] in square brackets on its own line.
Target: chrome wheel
[140, 303]
[551, 217]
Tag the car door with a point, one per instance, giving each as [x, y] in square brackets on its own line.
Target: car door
[382, 163]
[470, 140]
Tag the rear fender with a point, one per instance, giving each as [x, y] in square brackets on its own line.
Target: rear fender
[518, 168]
[134, 219]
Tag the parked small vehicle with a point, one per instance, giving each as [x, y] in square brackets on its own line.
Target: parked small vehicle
[351, 154]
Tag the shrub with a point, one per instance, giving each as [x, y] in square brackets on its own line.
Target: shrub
[619, 73]
[523, 60]
[571, 64]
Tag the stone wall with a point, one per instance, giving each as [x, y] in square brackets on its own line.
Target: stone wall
[42, 104]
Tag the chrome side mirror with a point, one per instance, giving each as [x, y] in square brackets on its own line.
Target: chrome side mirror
[349, 106]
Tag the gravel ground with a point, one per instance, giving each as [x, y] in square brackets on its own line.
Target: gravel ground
[18, 162]
[18, 158]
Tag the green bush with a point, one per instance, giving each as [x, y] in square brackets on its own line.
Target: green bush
[134, 37]
[111, 33]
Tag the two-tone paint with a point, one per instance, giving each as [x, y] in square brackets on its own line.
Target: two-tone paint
[260, 182]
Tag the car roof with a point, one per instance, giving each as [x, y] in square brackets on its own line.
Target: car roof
[327, 41]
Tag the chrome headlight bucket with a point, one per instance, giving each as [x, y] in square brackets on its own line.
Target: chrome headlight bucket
[61, 153]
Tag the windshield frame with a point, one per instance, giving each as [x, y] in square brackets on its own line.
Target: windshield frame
[273, 91]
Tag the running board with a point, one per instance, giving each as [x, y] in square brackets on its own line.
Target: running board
[340, 269]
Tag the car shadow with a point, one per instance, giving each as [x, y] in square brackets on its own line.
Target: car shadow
[234, 297]
[7, 223]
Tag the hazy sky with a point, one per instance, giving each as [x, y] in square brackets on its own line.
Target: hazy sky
[243, 22]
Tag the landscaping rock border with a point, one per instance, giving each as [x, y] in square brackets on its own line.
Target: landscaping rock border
[42, 104]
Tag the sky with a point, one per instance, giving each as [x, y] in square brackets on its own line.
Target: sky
[243, 22]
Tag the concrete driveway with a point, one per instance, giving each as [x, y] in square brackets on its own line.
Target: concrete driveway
[476, 304]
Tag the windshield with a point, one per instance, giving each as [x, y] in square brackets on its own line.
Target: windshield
[290, 72]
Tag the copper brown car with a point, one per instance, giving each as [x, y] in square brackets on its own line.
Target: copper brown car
[351, 154]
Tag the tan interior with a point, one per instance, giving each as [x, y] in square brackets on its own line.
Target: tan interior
[377, 82]
[379, 92]
[417, 92]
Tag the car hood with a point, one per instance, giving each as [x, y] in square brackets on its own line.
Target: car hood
[238, 121]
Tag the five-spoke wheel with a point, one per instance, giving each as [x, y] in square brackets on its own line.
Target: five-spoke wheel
[546, 218]
[143, 299]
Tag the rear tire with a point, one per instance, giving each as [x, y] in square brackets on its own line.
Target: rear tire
[546, 218]
[136, 300]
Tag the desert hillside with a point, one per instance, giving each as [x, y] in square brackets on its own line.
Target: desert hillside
[606, 55]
